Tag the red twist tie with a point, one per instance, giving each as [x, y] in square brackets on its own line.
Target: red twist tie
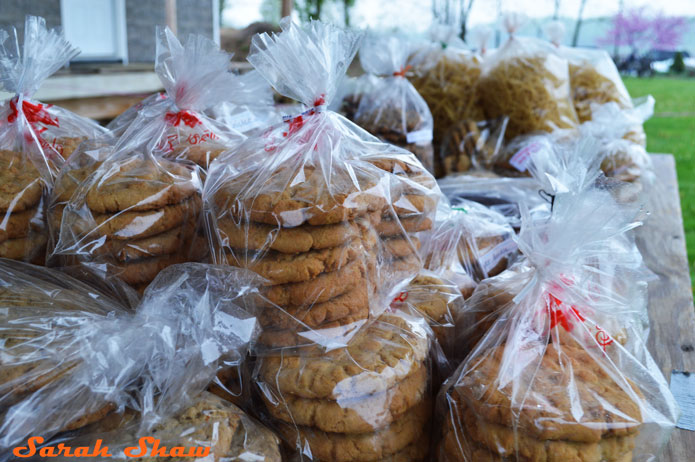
[402, 72]
[175, 118]
[34, 113]
[559, 315]
[295, 123]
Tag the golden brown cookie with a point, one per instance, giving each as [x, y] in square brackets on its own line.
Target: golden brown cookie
[202, 153]
[354, 302]
[364, 447]
[282, 268]
[16, 225]
[400, 247]
[607, 409]
[320, 289]
[390, 227]
[141, 183]
[138, 272]
[410, 264]
[69, 179]
[363, 414]
[24, 248]
[172, 241]
[299, 336]
[383, 353]
[20, 184]
[258, 236]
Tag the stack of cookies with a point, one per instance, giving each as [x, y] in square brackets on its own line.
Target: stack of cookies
[573, 409]
[315, 248]
[368, 401]
[22, 231]
[137, 215]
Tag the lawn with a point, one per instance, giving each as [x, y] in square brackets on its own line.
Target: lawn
[672, 130]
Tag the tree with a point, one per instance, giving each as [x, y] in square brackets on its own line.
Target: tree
[640, 31]
[678, 66]
[578, 25]
[465, 9]
[454, 13]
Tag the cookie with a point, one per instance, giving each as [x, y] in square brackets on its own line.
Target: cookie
[389, 227]
[69, 179]
[280, 268]
[354, 302]
[339, 330]
[201, 154]
[355, 415]
[399, 247]
[145, 270]
[505, 442]
[23, 248]
[320, 289]
[67, 145]
[364, 447]
[16, 225]
[383, 353]
[410, 264]
[412, 205]
[169, 242]
[20, 184]
[142, 224]
[414, 452]
[141, 183]
[258, 236]
[90, 417]
[607, 409]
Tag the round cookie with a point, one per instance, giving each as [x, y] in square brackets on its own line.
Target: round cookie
[141, 224]
[364, 447]
[69, 179]
[279, 268]
[20, 184]
[16, 225]
[400, 247]
[140, 184]
[409, 264]
[414, 452]
[354, 302]
[298, 336]
[355, 415]
[168, 242]
[258, 236]
[320, 289]
[23, 248]
[145, 270]
[389, 227]
[382, 354]
[607, 409]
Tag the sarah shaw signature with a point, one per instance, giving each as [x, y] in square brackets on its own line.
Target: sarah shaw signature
[147, 446]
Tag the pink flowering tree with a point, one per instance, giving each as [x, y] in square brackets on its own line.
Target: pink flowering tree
[640, 30]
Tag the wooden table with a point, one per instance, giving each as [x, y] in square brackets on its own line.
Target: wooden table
[672, 337]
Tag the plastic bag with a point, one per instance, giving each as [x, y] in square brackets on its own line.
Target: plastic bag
[125, 213]
[318, 206]
[71, 356]
[250, 106]
[446, 75]
[369, 400]
[349, 94]
[391, 108]
[528, 81]
[470, 144]
[470, 236]
[34, 137]
[174, 124]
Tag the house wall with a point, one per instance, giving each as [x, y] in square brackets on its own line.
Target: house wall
[142, 16]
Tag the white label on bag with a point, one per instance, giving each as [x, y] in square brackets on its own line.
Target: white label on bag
[520, 160]
[420, 136]
[243, 121]
[493, 257]
[683, 389]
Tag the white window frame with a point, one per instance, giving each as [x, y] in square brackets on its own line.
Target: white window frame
[121, 26]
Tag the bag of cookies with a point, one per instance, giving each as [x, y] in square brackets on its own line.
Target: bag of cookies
[71, 356]
[528, 81]
[316, 205]
[391, 108]
[368, 400]
[34, 137]
[469, 239]
[564, 372]
[125, 212]
[173, 124]
[472, 144]
[445, 73]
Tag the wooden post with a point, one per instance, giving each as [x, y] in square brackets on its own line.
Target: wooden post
[170, 10]
[286, 8]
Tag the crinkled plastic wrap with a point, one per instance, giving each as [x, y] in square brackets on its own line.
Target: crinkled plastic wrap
[391, 108]
[34, 137]
[174, 124]
[470, 144]
[369, 400]
[563, 372]
[471, 239]
[446, 75]
[125, 212]
[317, 206]
[349, 94]
[71, 356]
[526, 80]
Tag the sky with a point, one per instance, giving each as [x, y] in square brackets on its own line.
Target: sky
[416, 15]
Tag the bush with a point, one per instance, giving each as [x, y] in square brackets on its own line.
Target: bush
[678, 66]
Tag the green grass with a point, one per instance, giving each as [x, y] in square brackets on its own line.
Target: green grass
[672, 130]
